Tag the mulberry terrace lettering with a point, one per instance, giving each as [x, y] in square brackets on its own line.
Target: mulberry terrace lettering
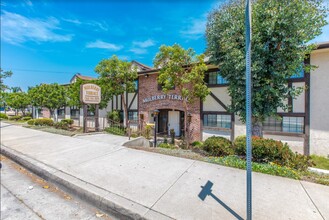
[162, 97]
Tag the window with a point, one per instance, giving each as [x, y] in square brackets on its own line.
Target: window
[214, 78]
[293, 124]
[132, 115]
[272, 124]
[61, 112]
[136, 85]
[75, 112]
[217, 120]
[286, 124]
[299, 73]
[40, 112]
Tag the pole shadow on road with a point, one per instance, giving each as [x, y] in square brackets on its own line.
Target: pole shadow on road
[206, 191]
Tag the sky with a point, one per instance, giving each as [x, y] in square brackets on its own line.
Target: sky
[46, 41]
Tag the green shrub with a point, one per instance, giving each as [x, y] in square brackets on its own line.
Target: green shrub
[28, 114]
[116, 130]
[113, 116]
[3, 115]
[218, 146]
[31, 122]
[68, 121]
[147, 131]
[269, 150]
[198, 144]
[15, 118]
[62, 125]
[26, 118]
[166, 145]
[41, 122]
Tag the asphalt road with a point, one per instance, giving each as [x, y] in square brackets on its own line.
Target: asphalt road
[26, 196]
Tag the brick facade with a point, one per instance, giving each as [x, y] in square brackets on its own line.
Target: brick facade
[148, 88]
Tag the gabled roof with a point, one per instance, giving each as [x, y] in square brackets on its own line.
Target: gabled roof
[78, 75]
[143, 67]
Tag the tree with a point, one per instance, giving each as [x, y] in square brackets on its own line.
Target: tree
[18, 101]
[281, 32]
[3, 87]
[51, 96]
[119, 78]
[73, 93]
[183, 70]
[16, 89]
[3, 75]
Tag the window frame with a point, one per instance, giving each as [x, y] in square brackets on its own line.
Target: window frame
[217, 120]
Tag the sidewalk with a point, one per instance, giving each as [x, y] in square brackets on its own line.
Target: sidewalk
[138, 184]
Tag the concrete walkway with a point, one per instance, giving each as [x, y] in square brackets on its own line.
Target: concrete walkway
[138, 184]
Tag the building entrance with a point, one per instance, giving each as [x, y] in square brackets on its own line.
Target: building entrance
[170, 119]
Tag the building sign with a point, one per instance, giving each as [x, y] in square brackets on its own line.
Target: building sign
[162, 97]
[90, 94]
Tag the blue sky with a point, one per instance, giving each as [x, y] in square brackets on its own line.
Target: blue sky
[49, 41]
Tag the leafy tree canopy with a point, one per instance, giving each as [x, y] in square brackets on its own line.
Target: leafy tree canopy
[18, 100]
[281, 31]
[3, 75]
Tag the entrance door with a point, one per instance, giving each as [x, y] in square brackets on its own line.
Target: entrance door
[173, 122]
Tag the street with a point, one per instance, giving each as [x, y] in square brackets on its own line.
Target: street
[26, 196]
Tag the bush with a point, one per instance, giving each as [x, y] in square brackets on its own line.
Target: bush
[114, 116]
[15, 118]
[166, 145]
[31, 122]
[147, 131]
[68, 121]
[3, 115]
[61, 125]
[28, 114]
[116, 130]
[269, 150]
[198, 144]
[41, 122]
[26, 118]
[218, 146]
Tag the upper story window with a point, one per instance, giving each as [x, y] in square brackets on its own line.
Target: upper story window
[214, 78]
[136, 85]
[299, 73]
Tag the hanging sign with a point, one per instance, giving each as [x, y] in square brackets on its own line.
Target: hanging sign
[90, 93]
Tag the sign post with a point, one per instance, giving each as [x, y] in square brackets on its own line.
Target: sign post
[90, 94]
[248, 108]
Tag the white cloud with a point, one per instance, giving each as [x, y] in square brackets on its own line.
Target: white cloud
[138, 50]
[103, 45]
[29, 3]
[73, 21]
[144, 44]
[17, 29]
[195, 29]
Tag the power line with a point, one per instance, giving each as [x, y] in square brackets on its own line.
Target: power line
[41, 71]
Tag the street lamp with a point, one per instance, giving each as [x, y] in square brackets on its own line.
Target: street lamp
[155, 115]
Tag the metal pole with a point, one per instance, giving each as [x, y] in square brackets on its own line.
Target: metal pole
[248, 108]
[155, 131]
[97, 118]
[85, 112]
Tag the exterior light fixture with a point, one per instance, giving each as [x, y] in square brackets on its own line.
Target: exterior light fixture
[146, 75]
[189, 118]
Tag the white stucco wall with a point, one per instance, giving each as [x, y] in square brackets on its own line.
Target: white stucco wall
[209, 133]
[210, 103]
[239, 128]
[319, 103]
[130, 97]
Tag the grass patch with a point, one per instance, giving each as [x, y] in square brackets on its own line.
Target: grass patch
[54, 130]
[320, 162]
[267, 168]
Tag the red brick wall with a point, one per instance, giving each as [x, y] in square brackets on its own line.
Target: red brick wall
[148, 87]
[45, 113]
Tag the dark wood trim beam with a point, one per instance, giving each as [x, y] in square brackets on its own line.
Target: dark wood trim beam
[301, 79]
[307, 111]
[232, 126]
[279, 133]
[216, 112]
[291, 114]
[132, 101]
[218, 101]
[217, 85]
[290, 104]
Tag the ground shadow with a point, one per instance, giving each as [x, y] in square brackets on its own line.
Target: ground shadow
[206, 191]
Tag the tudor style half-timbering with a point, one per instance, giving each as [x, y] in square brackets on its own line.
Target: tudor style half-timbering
[305, 126]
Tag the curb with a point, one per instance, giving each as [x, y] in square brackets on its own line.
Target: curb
[110, 203]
